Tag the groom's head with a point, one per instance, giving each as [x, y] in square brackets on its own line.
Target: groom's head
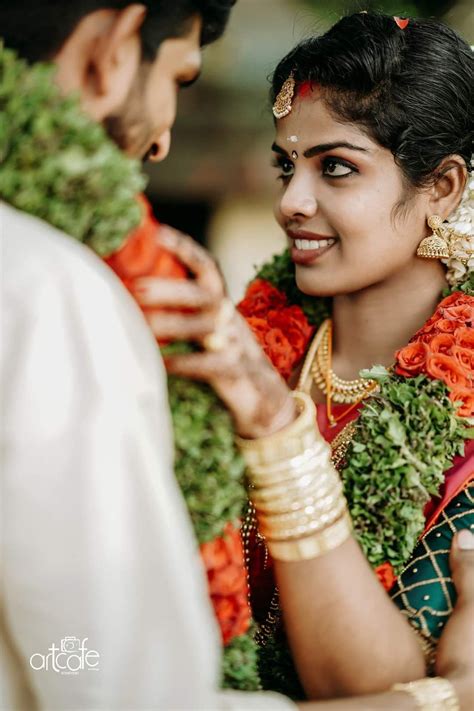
[126, 60]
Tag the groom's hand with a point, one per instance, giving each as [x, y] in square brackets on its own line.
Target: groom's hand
[232, 361]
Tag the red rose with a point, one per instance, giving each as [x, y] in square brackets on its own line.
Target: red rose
[466, 397]
[261, 297]
[386, 575]
[442, 343]
[464, 337]
[447, 369]
[280, 352]
[294, 325]
[411, 359]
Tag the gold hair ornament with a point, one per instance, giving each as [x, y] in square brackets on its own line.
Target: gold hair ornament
[283, 103]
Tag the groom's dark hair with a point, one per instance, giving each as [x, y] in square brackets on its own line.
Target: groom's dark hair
[37, 29]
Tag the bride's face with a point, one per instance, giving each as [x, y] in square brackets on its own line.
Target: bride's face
[338, 203]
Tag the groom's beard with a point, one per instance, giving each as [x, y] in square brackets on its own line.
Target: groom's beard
[130, 127]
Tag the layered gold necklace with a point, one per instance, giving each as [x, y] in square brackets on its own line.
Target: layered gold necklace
[318, 364]
[343, 391]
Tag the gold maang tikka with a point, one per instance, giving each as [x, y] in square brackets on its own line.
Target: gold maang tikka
[283, 103]
[436, 245]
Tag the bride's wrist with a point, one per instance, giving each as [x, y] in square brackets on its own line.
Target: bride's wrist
[285, 416]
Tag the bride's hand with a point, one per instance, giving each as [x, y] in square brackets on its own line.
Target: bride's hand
[233, 363]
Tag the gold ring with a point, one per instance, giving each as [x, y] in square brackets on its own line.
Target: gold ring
[218, 340]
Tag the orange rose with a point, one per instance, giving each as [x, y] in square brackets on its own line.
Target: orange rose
[442, 343]
[233, 615]
[465, 358]
[455, 299]
[466, 397]
[227, 579]
[142, 255]
[447, 369]
[280, 352]
[386, 575]
[411, 359]
[464, 337]
[463, 313]
[446, 325]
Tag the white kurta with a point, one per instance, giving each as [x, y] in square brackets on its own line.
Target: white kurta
[95, 539]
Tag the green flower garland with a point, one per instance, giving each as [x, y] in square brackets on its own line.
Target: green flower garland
[406, 437]
[60, 166]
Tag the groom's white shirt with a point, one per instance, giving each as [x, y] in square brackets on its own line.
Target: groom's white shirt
[96, 544]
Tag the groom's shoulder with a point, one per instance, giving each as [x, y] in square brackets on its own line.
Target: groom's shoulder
[34, 252]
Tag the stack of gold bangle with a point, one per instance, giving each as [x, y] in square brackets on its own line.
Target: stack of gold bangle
[296, 491]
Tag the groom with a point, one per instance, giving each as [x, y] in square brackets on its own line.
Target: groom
[103, 603]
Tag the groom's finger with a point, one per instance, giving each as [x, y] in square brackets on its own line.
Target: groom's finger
[195, 258]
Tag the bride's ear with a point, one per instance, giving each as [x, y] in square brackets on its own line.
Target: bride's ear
[446, 192]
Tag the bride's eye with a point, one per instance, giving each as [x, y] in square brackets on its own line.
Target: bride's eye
[337, 168]
[285, 167]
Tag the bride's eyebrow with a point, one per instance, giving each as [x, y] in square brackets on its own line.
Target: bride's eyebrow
[322, 148]
[325, 147]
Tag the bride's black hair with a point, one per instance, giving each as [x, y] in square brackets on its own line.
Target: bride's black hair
[411, 89]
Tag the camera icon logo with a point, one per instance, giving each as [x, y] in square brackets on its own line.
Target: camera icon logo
[70, 644]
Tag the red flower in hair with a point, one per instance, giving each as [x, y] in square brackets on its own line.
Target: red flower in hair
[402, 22]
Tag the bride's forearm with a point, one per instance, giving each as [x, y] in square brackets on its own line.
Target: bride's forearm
[345, 634]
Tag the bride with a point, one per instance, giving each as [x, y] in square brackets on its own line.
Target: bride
[367, 325]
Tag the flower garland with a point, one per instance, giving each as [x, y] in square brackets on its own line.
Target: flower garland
[58, 165]
[406, 435]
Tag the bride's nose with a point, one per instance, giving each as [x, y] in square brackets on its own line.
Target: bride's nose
[298, 200]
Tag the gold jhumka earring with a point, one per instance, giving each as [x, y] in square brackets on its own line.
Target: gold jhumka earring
[436, 245]
[283, 103]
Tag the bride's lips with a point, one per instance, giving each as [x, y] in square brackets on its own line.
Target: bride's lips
[302, 250]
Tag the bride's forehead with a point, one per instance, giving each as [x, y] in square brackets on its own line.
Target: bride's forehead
[311, 121]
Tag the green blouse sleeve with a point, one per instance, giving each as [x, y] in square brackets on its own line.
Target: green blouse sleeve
[424, 591]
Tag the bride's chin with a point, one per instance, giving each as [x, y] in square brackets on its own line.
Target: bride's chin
[316, 287]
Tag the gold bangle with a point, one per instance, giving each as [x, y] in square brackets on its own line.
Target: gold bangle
[294, 489]
[436, 694]
[288, 442]
[292, 468]
[319, 506]
[307, 526]
[284, 504]
[312, 546]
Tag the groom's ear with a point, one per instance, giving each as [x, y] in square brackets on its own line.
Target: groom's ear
[100, 59]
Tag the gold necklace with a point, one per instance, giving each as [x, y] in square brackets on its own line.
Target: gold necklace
[339, 390]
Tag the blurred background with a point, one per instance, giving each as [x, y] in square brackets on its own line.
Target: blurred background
[217, 183]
